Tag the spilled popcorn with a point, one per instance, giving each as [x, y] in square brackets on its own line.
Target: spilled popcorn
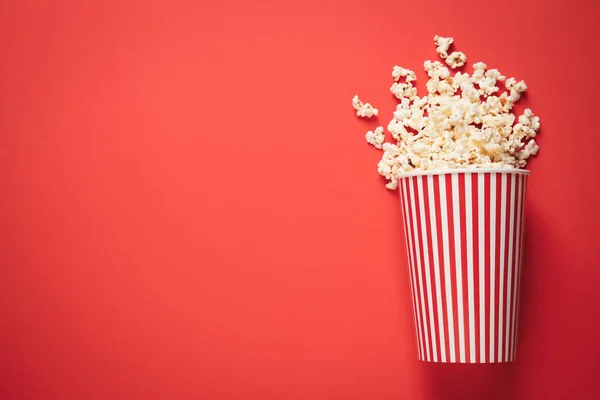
[456, 60]
[363, 109]
[376, 137]
[462, 122]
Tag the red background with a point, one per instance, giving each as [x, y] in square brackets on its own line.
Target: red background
[188, 208]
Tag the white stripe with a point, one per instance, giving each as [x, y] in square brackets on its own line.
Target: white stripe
[426, 262]
[480, 219]
[415, 237]
[436, 267]
[517, 264]
[510, 263]
[470, 288]
[492, 263]
[524, 199]
[459, 296]
[502, 247]
[410, 256]
[447, 274]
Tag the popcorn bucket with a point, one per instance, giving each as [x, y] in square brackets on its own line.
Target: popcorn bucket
[464, 239]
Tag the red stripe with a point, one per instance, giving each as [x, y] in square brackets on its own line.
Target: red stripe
[506, 263]
[517, 262]
[513, 264]
[415, 272]
[509, 267]
[516, 254]
[464, 269]
[431, 266]
[488, 267]
[403, 203]
[521, 244]
[497, 294]
[438, 214]
[475, 230]
[418, 205]
[453, 266]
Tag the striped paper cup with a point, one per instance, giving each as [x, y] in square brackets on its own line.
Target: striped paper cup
[464, 238]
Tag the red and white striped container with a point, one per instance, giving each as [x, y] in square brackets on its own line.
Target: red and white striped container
[464, 238]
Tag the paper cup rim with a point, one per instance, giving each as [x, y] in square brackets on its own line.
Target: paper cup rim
[464, 171]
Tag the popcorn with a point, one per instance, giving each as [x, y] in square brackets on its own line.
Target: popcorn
[436, 69]
[398, 72]
[363, 110]
[403, 90]
[528, 119]
[487, 84]
[515, 88]
[530, 149]
[375, 137]
[462, 80]
[462, 122]
[420, 102]
[456, 59]
[443, 87]
[389, 166]
[494, 73]
[397, 129]
[443, 44]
